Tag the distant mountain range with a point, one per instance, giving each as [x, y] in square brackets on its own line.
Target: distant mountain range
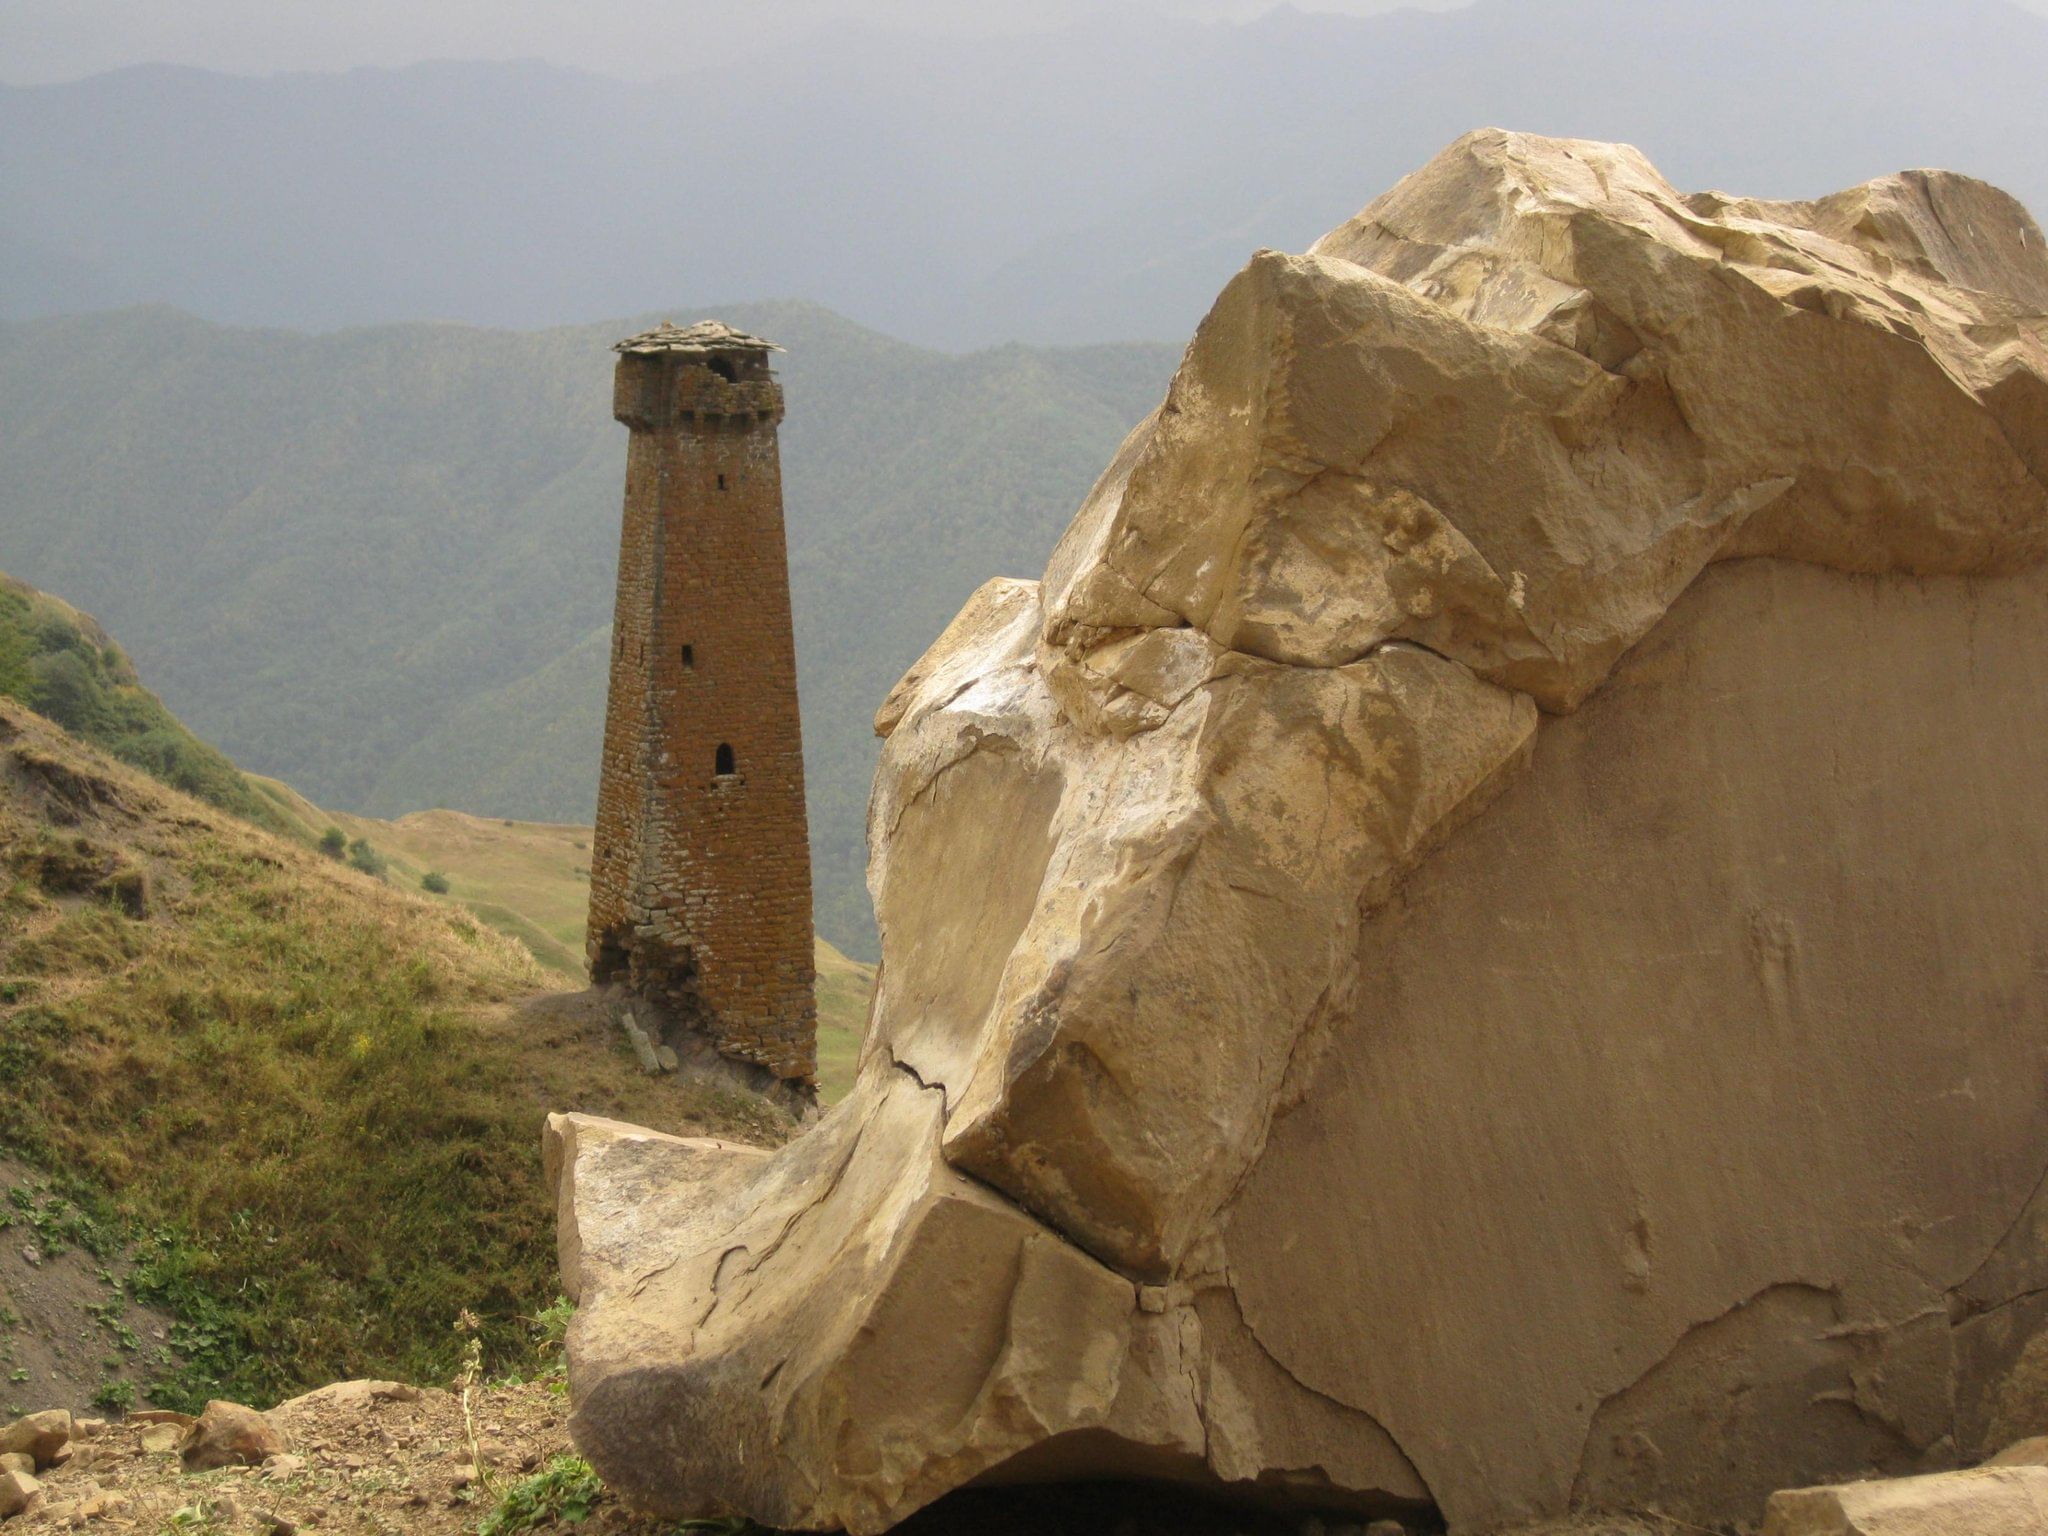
[379, 563]
[1095, 182]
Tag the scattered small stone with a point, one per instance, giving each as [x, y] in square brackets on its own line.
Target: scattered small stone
[85, 1429]
[18, 1490]
[228, 1434]
[273, 1524]
[83, 1492]
[282, 1467]
[17, 1461]
[464, 1476]
[33, 1255]
[348, 1396]
[159, 1438]
[643, 1047]
[102, 1504]
[41, 1435]
[161, 1416]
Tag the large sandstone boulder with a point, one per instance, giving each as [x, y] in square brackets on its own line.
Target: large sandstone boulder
[1480, 942]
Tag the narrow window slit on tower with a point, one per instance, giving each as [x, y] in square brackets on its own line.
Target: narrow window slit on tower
[721, 482]
[689, 658]
[724, 766]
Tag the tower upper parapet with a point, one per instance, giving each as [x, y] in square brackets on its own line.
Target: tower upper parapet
[704, 338]
[679, 375]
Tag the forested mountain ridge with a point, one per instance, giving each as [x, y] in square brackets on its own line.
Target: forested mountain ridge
[378, 563]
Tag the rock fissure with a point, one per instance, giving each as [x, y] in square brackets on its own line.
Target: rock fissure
[1341, 1405]
[2036, 1197]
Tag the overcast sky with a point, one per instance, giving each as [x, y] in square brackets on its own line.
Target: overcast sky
[44, 40]
[50, 40]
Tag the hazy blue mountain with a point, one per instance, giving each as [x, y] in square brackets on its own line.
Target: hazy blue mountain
[1096, 182]
[379, 563]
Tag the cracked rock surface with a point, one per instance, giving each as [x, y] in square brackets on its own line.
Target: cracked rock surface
[1480, 941]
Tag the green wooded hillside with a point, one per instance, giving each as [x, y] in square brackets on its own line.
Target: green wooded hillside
[378, 563]
[60, 663]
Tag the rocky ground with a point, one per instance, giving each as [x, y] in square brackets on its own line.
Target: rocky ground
[382, 1458]
[386, 1459]
[358, 1456]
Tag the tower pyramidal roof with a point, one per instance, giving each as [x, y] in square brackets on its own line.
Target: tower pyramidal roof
[705, 336]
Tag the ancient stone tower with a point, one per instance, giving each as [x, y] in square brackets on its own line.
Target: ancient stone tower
[700, 895]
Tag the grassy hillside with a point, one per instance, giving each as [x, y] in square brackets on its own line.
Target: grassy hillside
[531, 881]
[378, 564]
[63, 665]
[311, 1099]
[527, 880]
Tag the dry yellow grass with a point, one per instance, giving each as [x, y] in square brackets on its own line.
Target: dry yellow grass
[531, 880]
[315, 1098]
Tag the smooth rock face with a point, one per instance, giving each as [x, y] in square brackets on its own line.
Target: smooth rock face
[1478, 942]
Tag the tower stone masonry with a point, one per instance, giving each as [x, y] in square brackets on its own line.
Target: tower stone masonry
[700, 893]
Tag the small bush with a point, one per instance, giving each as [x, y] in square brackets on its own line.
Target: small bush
[551, 1325]
[564, 1492]
[436, 882]
[115, 1396]
[334, 842]
[366, 858]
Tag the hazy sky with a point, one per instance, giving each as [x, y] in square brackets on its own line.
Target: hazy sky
[43, 40]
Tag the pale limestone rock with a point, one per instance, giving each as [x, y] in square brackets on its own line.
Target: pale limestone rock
[228, 1435]
[42, 1436]
[1297, 1064]
[1989, 1501]
[18, 1490]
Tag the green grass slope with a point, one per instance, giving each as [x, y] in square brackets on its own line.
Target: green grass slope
[61, 664]
[530, 881]
[305, 1104]
[379, 563]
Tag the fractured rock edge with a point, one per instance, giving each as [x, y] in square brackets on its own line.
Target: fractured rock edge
[1308, 580]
